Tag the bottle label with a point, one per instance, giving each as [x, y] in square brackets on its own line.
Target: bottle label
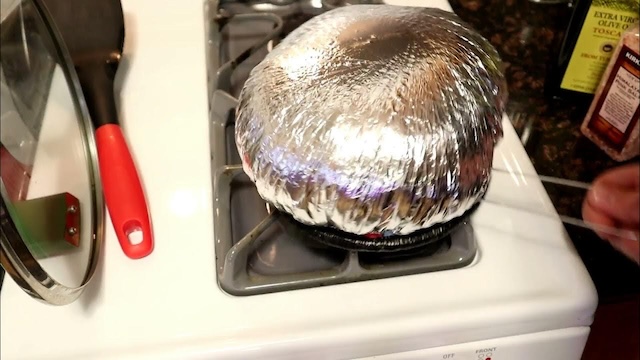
[600, 33]
[618, 108]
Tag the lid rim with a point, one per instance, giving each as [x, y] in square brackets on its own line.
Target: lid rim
[23, 272]
[15, 256]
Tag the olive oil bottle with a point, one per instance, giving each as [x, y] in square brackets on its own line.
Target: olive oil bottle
[592, 35]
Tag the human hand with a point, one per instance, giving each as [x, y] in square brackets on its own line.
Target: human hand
[614, 201]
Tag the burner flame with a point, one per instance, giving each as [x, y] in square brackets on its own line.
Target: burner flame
[373, 235]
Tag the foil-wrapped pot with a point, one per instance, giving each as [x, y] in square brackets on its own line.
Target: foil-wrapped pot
[374, 119]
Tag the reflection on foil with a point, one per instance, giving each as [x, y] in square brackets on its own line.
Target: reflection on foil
[303, 63]
[373, 118]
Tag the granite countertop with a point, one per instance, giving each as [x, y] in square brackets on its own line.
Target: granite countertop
[527, 34]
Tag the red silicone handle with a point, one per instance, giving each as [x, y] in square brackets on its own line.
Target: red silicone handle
[123, 192]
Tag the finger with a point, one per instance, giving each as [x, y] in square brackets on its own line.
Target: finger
[625, 176]
[620, 205]
[593, 216]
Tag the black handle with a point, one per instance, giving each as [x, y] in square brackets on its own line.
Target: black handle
[97, 85]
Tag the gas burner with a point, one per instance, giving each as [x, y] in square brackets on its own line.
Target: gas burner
[377, 242]
[258, 249]
[423, 244]
[424, 251]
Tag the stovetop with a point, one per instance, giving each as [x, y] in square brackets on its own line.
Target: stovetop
[525, 278]
[259, 250]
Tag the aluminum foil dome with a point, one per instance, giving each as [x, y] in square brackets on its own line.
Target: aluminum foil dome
[373, 118]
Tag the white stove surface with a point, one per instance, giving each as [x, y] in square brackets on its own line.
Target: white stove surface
[527, 277]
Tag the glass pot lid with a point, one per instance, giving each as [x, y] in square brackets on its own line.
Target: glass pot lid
[51, 209]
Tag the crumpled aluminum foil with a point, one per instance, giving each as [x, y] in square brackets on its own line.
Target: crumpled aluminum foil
[374, 119]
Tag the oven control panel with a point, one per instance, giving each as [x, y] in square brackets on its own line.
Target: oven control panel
[480, 354]
[563, 344]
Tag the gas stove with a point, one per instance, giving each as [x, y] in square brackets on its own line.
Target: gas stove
[213, 288]
[259, 250]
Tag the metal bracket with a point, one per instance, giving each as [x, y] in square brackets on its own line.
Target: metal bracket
[50, 226]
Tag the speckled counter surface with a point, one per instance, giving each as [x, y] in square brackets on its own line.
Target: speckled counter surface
[526, 35]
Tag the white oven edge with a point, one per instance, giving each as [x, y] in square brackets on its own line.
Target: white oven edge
[559, 344]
